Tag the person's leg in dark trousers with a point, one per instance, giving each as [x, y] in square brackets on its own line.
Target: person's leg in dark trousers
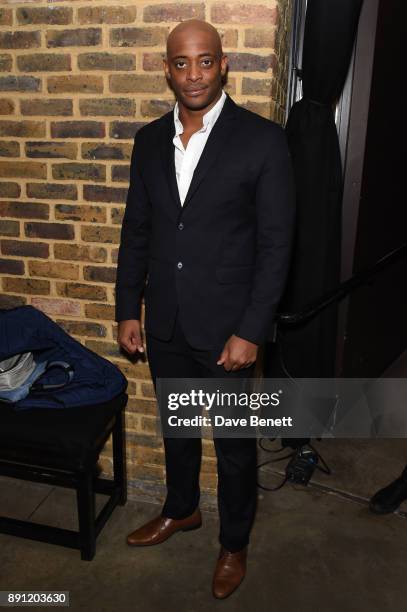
[170, 359]
[237, 457]
[237, 471]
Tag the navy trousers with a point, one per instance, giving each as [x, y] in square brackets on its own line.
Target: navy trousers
[236, 457]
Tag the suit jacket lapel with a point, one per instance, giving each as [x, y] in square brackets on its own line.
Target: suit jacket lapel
[217, 139]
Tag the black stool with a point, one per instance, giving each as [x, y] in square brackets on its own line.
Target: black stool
[61, 447]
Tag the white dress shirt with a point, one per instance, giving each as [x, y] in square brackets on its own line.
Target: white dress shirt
[187, 159]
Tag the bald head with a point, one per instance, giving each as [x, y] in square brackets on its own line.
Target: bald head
[195, 65]
[193, 29]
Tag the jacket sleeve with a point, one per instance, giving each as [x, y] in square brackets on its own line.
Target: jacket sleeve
[275, 215]
[134, 244]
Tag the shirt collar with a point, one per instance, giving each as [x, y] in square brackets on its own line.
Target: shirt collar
[208, 119]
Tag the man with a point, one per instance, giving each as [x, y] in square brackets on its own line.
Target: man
[209, 218]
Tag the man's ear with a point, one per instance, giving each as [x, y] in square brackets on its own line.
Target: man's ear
[224, 66]
[165, 66]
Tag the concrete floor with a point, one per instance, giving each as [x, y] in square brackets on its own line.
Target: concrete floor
[316, 548]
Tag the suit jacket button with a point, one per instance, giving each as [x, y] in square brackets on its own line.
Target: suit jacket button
[179, 265]
[181, 226]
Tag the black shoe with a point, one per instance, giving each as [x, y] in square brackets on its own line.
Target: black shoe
[389, 499]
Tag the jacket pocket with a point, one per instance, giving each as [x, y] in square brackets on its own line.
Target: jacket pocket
[234, 274]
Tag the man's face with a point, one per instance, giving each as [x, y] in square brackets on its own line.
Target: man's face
[195, 68]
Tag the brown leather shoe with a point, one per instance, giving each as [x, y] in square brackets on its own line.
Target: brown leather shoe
[229, 572]
[161, 528]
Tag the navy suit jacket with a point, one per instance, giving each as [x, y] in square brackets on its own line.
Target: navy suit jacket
[222, 258]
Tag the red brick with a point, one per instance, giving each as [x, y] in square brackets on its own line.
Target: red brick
[81, 291]
[79, 172]
[106, 61]
[149, 424]
[6, 106]
[75, 84]
[153, 61]
[138, 37]
[57, 306]
[97, 233]
[26, 285]
[96, 193]
[147, 390]
[137, 83]
[77, 129]
[44, 62]
[20, 83]
[108, 349]
[99, 274]
[46, 107]
[83, 328]
[119, 107]
[117, 215]
[234, 12]
[9, 148]
[9, 228]
[12, 301]
[107, 14]
[66, 150]
[84, 37]
[52, 191]
[24, 249]
[22, 169]
[100, 311]
[11, 266]
[176, 11]
[55, 15]
[19, 40]
[101, 150]
[138, 371]
[249, 62]
[10, 190]
[58, 231]
[156, 108]
[80, 252]
[121, 173]
[259, 37]
[6, 16]
[53, 269]
[257, 87]
[125, 129]
[22, 129]
[229, 37]
[24, 210]
[87, 214]
[6, 62]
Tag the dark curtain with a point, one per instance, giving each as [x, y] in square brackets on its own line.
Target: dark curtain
[330, 29]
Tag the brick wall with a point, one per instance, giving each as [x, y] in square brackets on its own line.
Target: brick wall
[77, 79]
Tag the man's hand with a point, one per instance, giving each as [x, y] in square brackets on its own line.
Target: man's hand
[129, 336]
[238, 353]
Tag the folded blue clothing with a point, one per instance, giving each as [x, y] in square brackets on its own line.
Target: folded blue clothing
[15, 395]
[92, 379]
